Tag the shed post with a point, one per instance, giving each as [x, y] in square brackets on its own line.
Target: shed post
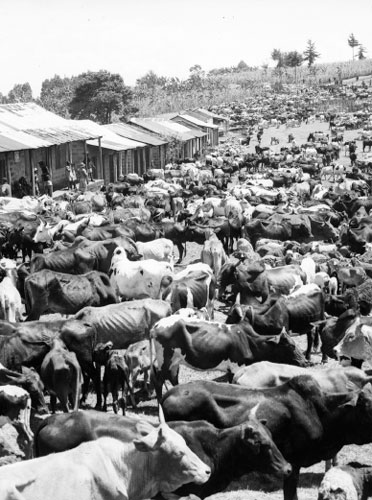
[32, 171]
[100, 155]
[9, 173]
[85, 153]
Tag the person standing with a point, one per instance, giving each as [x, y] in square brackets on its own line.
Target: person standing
[46, 178]
[83, 177]
[90, 169]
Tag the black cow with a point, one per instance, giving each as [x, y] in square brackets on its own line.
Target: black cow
[230, 453]
[63, 293]
[205, 345]
[306, 424]
[29, 380]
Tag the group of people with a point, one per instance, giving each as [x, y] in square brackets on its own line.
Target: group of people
[85, 173]
[76, 178]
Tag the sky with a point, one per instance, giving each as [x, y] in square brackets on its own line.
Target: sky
[41, 38]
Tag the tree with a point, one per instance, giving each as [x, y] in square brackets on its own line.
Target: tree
[21, 92]
[151, 80]
[278, 56]
[353, 42]
[361, 52]
[293, 59]
[310, 54]
[242, 66]
[56, 94]
[97, 95]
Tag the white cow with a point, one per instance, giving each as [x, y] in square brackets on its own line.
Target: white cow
[308, 266]
[108, 469]
[213, 254]
[21, 412]
[11, 307]
[160, 250]
[140, 279]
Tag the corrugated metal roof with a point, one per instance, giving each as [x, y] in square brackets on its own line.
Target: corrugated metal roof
[168, 128]
[7, 145]
[109, 140]
[209, 114]
[196, 121]
[182, 128]
[40, 124]
[134, 133]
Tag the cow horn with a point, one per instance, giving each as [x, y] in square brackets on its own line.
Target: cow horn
[253, 412]
[161, 416]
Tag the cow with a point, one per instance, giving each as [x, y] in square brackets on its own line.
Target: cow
[156, 460]
[230, 452]
[116, 375]
[15, 445]
[255, 281]
[29, 380]
[63, 293]
[137, 359]
[136, 280]
[83, 256]
[193, 289]
[160, 250]
[122, 324]
[61, 374]
[356, 341]
[335, 379]
[307, 424]
[295, 313]
[213, 254]
[15, 403]
[204, 345]
[350, 482]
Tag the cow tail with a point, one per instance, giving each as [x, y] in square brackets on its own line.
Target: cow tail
[78, 381]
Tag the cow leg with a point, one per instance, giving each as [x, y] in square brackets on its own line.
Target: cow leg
[115, 395]
[309, 336]
[290, 485]
[53, 401]
[180, 251]
[105, 391]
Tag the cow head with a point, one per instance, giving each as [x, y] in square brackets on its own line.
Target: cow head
[260, 447]
[172, 454]
[357, 341]
[285, 350]
[33, 385]
[101, 352]
[42, 234]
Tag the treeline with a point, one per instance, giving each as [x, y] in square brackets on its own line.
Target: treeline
[103, 96]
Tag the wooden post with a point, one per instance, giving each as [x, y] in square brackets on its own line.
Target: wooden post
[100, 158]
[85, 153]
[32, 171]
[9, 173]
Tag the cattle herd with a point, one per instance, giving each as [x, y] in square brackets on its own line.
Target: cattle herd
[96, 284]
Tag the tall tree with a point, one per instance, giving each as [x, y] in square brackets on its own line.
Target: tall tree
[242, 66]
[21, 92]
[151, 80]
[310, 54]
[278, 56]
[98, 95]
[362, 52]
[293, 59]
[56, 94]
[353, 42]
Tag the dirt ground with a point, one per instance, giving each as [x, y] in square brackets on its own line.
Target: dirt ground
[258, 486]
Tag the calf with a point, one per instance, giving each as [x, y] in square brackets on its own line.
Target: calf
[116, 374]
[62, 376]
[213, 254]
[11, 307]
[138, 361]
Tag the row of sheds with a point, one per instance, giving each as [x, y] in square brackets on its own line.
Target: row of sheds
[29, 134]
